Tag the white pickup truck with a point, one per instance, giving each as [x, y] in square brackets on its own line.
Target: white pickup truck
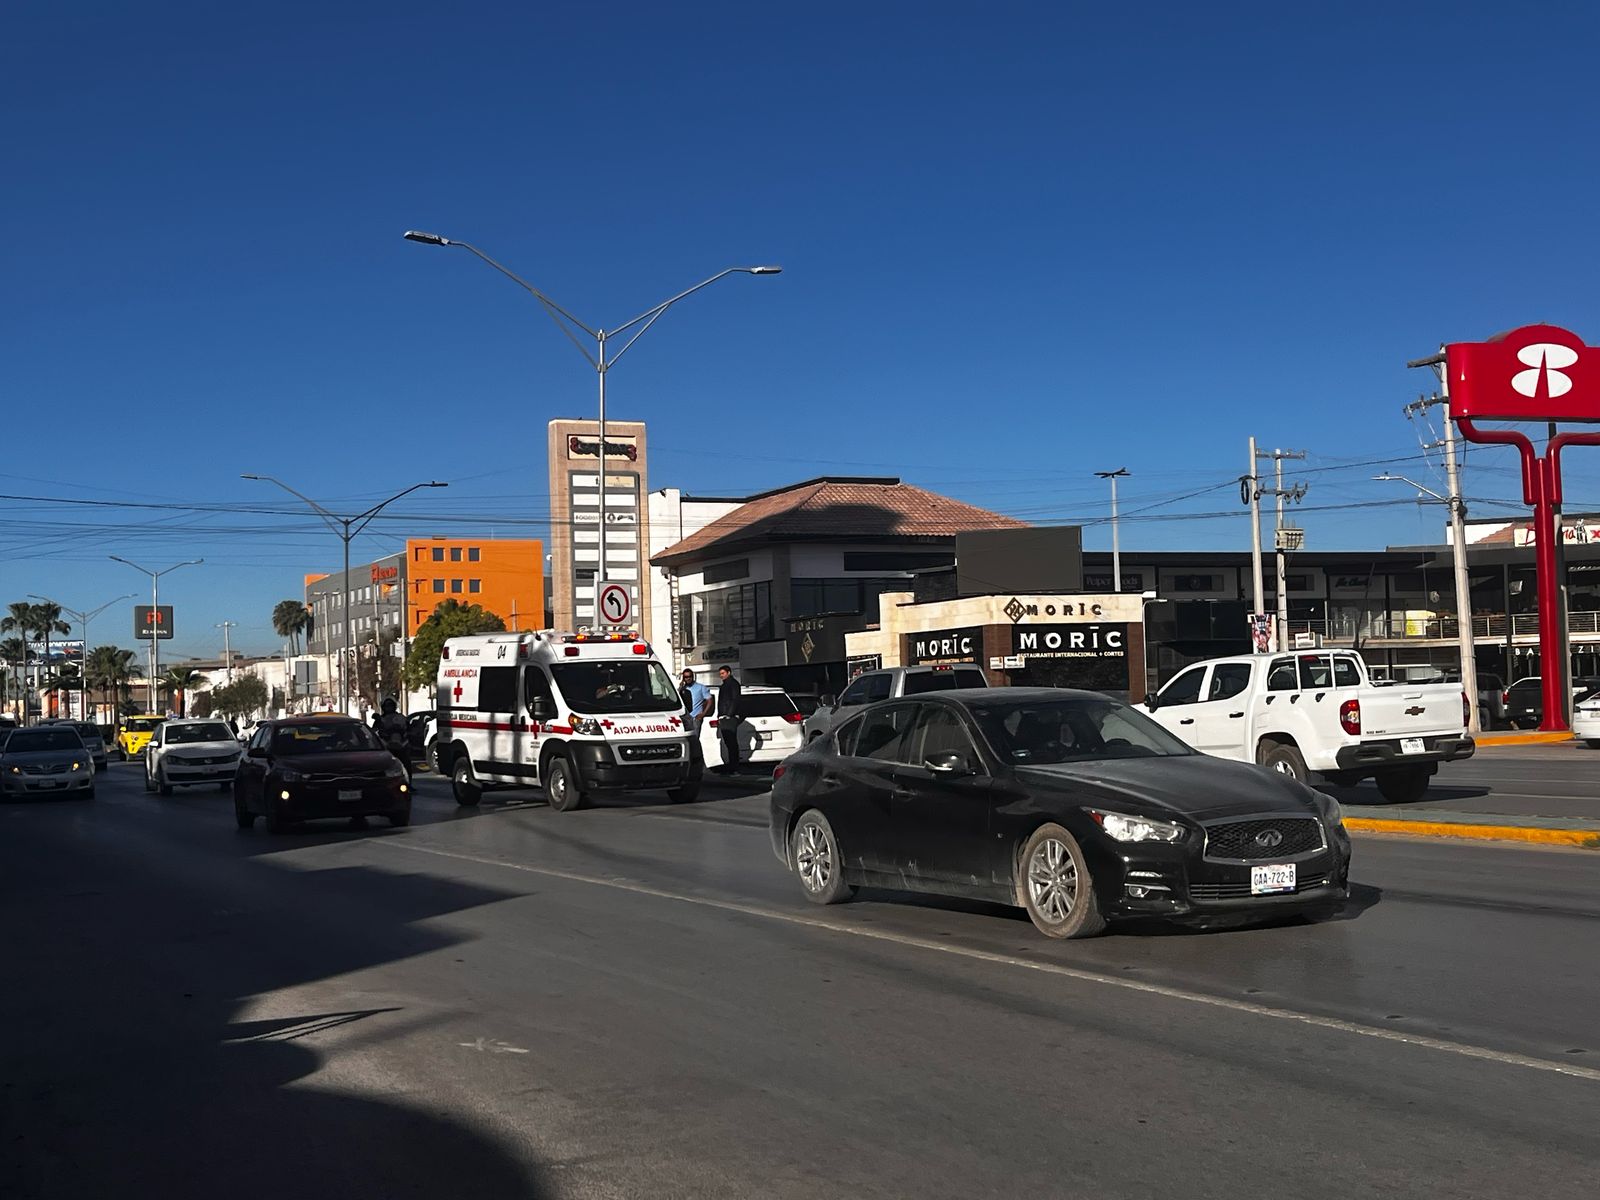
[1316, 710]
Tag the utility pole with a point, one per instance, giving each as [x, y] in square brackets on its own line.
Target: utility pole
[1116, 544]
[1466, 643]
[1252, 485]
[1284, 537]
[227, 647]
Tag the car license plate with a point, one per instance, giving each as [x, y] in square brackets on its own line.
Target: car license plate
[1411, 746]
[1276, 877]
[53, 783]
[350, 794]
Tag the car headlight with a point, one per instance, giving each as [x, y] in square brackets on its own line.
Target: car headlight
[585, 726]
[395, 771]
[1137, 829]
[16, 770]
[1331, 810]
[77, 766]
[290, 775]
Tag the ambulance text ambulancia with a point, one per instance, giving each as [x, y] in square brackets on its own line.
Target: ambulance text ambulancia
[571, 713]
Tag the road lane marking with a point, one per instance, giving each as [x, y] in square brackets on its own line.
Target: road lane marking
[1249, 1008]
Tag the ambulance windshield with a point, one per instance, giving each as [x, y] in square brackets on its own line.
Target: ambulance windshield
[617, 686]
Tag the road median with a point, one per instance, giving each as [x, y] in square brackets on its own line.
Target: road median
[1532, 737]
[1548, 831]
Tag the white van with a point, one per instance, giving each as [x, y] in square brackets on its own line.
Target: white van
[571, 713]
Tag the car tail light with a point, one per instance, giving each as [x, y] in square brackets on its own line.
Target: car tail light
[1505, 696]
[712, 722]
[777, 771]
[795, 718]
[640, 648]
[1466, 711]
[1350, 716]
[570, 651]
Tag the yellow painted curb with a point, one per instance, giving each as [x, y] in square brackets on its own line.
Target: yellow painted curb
[1526, 739]
[1587, 839]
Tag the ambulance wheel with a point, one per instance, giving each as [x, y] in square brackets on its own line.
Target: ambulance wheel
[561, 785]
[468, 791]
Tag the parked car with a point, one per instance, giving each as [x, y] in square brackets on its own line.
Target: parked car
[184, 753]
[1317, 711]
[1524, 699]
[422, 736]
[1491, 701]
[890, 683]
[46, 760]
[1069, 804]
[304, 768]
[93, 740]
[769, 731]
[1586, 720]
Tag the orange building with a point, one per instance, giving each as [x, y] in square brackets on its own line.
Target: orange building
[504, 575]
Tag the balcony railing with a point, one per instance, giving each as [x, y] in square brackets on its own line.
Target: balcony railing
[1399, 626]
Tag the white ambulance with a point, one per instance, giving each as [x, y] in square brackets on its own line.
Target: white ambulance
[570, 713]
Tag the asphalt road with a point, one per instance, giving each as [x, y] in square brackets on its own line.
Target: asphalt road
[634, 1001]
[1559, 780]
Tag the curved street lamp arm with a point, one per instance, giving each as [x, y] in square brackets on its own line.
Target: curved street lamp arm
[557, 313]
[650, 316]
[331, 520]
[365, 518]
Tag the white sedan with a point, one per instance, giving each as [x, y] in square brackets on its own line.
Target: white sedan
[1586, 720]
[770, 731]
[183, 753]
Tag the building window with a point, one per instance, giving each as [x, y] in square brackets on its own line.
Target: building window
[438, 554]
[438, 586]
[455, 585]
[472, 554]
[723, 572]
[455, 553]
[892, 560]
[474, 586]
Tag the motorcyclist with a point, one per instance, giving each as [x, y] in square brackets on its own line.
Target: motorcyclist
[390, 726]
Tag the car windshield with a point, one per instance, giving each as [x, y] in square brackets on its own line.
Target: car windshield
[617, 686]
[142, 724]
[213, 731]
[85, 731]
[30, 741]
[331, 737]
[1078, 729]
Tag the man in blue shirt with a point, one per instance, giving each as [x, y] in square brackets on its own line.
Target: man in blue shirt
[696, 701]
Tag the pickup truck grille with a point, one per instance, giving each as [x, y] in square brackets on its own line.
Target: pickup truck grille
[1266, 839]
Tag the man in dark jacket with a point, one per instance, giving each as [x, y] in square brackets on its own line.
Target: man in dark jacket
[728, 693]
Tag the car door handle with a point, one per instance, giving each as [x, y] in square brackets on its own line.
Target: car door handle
[1187, 721]
[1236, 715]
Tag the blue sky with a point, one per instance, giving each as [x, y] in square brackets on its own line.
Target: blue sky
[1021, 243]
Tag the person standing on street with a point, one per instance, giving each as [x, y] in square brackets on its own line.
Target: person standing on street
[696, 701]
[728, 693]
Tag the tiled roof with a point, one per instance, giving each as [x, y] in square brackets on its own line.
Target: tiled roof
[835, 510]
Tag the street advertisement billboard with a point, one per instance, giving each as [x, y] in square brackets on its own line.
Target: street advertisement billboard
[150, 622]
[1535, 373]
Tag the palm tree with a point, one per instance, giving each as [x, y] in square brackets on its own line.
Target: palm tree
[19, 619]
[178, 681]
[289, 619]
[47, 622]
[14, 657]
[110, 668]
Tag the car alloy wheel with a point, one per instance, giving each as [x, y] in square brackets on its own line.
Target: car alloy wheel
[813, 858]
[1052, 880]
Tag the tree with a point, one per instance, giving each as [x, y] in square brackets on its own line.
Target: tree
[378, 670]
[177, 682]
[110, 668]
[14, 655]
[450, 619]
[289, 620]
[241, 698]
[201, 706]
[19, 619]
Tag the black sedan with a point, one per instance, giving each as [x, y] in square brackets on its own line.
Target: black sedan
[302, 768]
[1069, 804]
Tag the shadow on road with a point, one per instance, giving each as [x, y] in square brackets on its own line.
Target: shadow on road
[133, 1067]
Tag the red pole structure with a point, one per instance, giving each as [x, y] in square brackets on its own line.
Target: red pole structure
[1551, 642]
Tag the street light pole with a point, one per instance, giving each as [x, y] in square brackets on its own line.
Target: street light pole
[155, 612]
[82, 618]
[598, 359]
[346, 528]
[1116, 544]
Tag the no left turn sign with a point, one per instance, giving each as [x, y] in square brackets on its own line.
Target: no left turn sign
[613, 603]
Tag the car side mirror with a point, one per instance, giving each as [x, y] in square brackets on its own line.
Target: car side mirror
[256, 752]
[952, 764]
[540, 709]
[828, 702]
[1151, 702]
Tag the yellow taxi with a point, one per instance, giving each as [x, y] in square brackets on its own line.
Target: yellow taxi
[134, 733]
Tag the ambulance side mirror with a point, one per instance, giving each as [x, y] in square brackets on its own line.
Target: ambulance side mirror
[541, 709]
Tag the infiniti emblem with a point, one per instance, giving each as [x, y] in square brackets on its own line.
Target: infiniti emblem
[1268, 838]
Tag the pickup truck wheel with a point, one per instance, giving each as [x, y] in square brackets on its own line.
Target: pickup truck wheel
[1405, 786]
[1285, 760]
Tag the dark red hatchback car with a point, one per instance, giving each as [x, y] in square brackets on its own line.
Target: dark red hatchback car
[305, 768]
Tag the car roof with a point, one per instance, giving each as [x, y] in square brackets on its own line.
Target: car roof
[198, 721]
[764, 689]
[315, 719]
[992, 695]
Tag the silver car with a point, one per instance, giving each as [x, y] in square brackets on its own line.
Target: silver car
[183, 753]
[93, 740]
[46, 760]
